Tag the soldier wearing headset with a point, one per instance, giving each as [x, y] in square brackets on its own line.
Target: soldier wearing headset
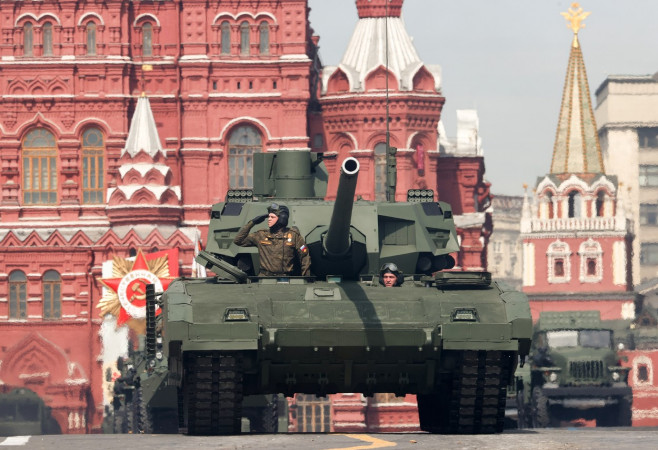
[390, 275]
[282, 250]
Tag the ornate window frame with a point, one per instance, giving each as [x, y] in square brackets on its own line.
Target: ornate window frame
[591, 249]
[642, 361]
[556, 251]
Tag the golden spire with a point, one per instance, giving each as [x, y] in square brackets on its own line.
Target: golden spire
[145, 68]
[575, 16]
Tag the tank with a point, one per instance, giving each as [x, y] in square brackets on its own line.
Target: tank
[143, 402]
[450, 337]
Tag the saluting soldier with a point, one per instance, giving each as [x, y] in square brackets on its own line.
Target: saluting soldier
[282, 250]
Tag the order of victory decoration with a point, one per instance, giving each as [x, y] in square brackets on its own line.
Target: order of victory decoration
[125, 296]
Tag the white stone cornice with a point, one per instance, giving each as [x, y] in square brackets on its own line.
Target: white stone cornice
[144, 168]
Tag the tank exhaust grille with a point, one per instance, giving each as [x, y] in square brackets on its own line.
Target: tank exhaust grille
[420, 195]
[239, 196]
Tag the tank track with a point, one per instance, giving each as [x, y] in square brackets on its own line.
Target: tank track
[212, 393]
[478, 394]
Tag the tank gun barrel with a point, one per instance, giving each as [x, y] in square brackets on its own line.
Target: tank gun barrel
[337, 239]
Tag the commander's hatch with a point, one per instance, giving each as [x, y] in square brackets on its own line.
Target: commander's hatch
[220, 267]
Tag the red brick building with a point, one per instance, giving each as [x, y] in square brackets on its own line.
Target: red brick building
[80, 185]
[577, 241]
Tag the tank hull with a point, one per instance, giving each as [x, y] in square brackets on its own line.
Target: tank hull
[321, 338]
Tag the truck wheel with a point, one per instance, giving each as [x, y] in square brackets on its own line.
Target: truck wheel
[521, 419]
[625, 411]
[428, 405]
[541, 416]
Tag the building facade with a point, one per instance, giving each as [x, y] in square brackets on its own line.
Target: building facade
[504, 252]
[576, 234]
[627, 116]
[577, 231]
[94, 174]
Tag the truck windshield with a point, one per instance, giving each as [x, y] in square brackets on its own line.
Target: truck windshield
[582, 338]
[562, 338]
[595, 338]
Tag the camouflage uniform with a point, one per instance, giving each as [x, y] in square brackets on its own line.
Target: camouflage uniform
[279, 252]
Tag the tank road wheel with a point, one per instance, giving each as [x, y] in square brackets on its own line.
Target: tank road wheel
[144, 415]
[266, 419]
[541, 415]
[118, 425]
[213, 393]
[130, 424]
[479, 393]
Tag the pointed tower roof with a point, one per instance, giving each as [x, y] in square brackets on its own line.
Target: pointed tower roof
[143, 134]
[379, 22]
[576, 148]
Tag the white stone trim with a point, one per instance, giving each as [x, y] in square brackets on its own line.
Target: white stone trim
[37, 19]
[90, 14]
[619, 259]
[644, 360]
[230, 124]
[146, 15]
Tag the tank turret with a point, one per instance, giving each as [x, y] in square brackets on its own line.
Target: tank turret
[346, 238]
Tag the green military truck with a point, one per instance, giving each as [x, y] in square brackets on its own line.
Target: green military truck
[573, 373]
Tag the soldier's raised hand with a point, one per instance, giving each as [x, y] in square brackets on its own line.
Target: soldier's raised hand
[259, 219]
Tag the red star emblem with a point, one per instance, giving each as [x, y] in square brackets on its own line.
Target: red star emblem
[127, 299]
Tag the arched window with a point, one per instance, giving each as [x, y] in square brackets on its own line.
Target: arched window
[91, 39]
[47, 39]
[39, 168]
[243, 143]
[600, 201]
[226, 38]
[549, 204]
[147, 39]
[264, 38]
[17, 295]
[575, 204]
[93, 154]
[380, 172]
[244, 38]
[52, 295]
[28, 39]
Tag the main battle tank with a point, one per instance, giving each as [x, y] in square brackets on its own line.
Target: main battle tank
[451, 338]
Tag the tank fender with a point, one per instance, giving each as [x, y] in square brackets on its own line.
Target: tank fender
[517, 309]
[223, 337]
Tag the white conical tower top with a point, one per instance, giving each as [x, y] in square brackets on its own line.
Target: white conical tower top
[143, 134]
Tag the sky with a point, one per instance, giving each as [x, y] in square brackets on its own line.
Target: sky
[508, 59]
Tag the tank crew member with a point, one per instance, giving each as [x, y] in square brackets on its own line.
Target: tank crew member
[390, 275]
[282, 250]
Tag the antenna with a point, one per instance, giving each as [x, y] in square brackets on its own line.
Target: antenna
[391, 163]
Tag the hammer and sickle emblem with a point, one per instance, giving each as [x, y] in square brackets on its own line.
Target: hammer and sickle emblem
[138, 293]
